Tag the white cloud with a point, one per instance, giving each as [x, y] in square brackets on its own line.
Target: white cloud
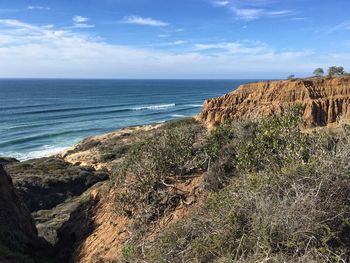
[32, 7]
[138, 20]
[80, 19]
[80, 22]
[221, 3]
[174, 43]
[249, 14]
[235, 48]
[83, 25]
[28, 50]
[249, 10]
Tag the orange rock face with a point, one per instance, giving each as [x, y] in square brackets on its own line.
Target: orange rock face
[324, 101]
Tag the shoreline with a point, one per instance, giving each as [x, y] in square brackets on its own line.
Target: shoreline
[61, 151]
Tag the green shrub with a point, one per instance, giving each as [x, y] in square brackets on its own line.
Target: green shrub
[146, 176]
[288, 202]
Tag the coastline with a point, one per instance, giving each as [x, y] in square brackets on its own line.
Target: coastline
[40, 126]
[61, 152]
[86, 152]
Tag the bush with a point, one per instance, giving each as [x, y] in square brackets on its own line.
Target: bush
[288, 202]
[335, 71]
[284, 215]
[319, 72]
[146, 176]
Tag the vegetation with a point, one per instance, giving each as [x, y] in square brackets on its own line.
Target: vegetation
[44, 183]
[146, 176]
[275, 194]
[335, 71]
[319, 72]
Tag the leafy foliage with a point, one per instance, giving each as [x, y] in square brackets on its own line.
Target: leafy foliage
[335, 71]
[319, 72]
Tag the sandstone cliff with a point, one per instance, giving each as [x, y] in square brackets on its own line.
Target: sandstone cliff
[324, 101]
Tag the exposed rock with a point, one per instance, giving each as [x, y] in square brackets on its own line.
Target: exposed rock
[106, 150]
[324, 101]
[7, 160]
[44, 183]
[93, 232]
[49, 221]
[19, 241]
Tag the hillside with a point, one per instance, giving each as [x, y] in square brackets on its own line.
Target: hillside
[249, 190]
[324, 101]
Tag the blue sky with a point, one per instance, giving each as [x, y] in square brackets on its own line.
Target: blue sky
[172, 38]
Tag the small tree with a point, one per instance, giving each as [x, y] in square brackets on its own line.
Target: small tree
[319, 72]
[335, 71]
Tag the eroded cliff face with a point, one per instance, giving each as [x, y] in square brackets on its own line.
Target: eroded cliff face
[324, 101]
[19, 241]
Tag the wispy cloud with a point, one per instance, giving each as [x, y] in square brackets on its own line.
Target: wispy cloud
[144, 21]
[221, 3]
[249, 14]
[250, 10]
[243, 47]
[37, 7]
[174, 43]
[339, 27]
[82, 25]
[80, 19]
[81, 22]
[298, 18]
[28, 50]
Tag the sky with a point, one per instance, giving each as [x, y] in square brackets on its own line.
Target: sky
[172, 39]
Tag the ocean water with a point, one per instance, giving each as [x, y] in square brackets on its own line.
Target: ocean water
[43, 117]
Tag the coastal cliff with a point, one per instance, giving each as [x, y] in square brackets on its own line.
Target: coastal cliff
[324, 101]
[18, 235]
[144, 193]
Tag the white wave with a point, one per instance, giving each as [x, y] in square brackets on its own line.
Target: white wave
[45, 151]
[178, 116]
[156, 107]
[195, 105]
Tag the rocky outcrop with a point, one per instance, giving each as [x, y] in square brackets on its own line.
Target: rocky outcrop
[324, 101]
[42, 184]
[7, 160]
[19, 241]
[106, 150]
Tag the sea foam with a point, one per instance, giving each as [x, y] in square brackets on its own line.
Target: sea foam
[155, 107]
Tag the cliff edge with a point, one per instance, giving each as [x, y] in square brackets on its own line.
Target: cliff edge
[324, 101]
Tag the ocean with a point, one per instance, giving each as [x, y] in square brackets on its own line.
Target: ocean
[43, 117]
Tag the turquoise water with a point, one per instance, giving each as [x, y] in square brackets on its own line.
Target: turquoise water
[42, 117]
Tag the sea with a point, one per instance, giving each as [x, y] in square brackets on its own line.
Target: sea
[41, 117]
